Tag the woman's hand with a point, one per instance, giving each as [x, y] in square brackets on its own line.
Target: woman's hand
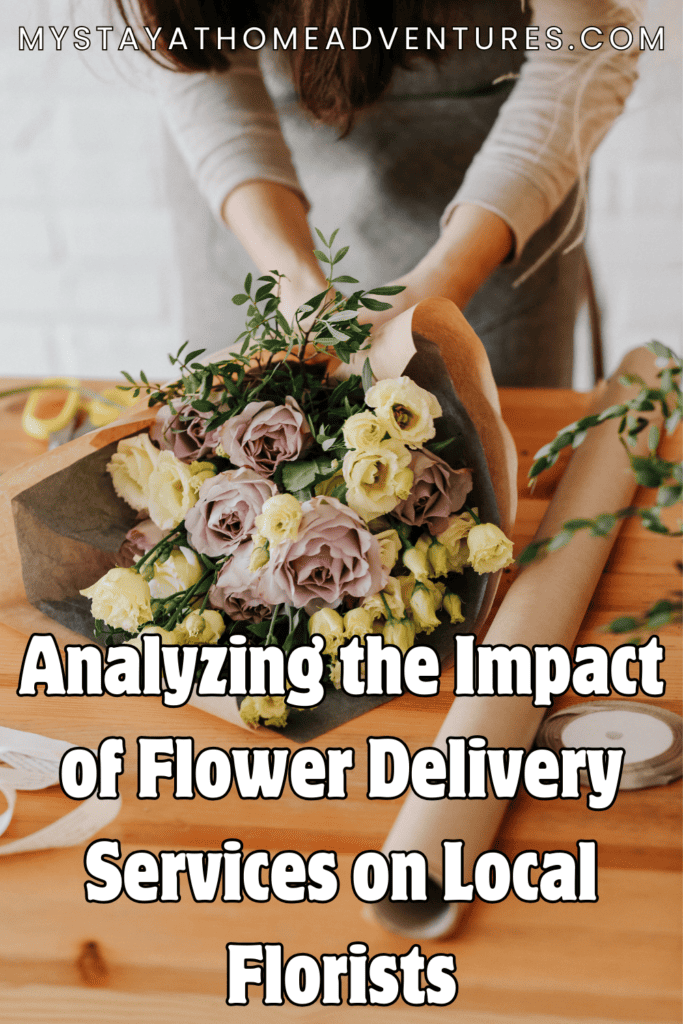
[270, 221]
[472, 244]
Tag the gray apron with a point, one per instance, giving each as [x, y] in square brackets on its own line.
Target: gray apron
[385, 186]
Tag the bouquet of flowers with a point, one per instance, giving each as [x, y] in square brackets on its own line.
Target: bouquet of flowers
[280, 502]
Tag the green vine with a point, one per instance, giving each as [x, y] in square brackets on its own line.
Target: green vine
[648, 470]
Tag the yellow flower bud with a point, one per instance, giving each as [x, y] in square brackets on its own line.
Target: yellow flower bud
[357, 622]
[415, 561]
[260, 554]
[279, 519]
[423, 608]
[181, 570]
[389, 547]
[453, 606]
[173, 637]
[272, 710]
[458, 528]
[489, 548]
[330, 625]
[203, 628]
[400, 633]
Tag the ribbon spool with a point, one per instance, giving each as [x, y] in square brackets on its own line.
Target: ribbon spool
[651, 737]
[30, 761]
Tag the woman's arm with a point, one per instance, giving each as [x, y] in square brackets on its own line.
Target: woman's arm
[269, 219]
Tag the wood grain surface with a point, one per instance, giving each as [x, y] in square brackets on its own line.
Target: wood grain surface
[616, 961]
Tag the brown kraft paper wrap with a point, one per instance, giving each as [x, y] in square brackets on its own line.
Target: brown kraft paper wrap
[545, 605]
[69, 524]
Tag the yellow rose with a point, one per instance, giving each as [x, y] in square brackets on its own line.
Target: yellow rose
[130, 469]
[400, 633]
[203, 627]
[122, 599]
[453, 606]
[272, 710]
[364, 431]
[330, 625]
[279, 519]
[423, 608]
[406, 584]
[444, 559]
[377, 479]
[387, 602]
[174, 488]
[181, 570]
[489, 548]
[174, 637]
[415, 561]
[407, 409]
[260, 554]
[358, 622]
[389, 547]
[458, 528]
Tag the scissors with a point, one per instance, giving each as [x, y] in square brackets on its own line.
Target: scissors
[60, 408]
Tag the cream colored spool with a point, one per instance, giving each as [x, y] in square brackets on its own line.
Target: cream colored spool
[651, 738]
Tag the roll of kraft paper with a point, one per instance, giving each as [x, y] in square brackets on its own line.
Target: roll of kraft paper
[545, 605]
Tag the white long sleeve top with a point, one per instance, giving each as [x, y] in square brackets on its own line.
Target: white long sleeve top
[226, 125]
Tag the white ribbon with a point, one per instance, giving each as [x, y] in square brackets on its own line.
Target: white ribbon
[29, 761]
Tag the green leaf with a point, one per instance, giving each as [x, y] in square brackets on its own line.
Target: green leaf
[247, 282]
[374, 304]
[387, 289]
[320, 255]
[239, 300]
[646, 473]
[653, 438]
[341, 316]
[344, 279]
[623, 624]
[603, 524]
[340, 254]
[262, 292]
[672, 421]
[559, 540]
[322, 237]
[538, 466]
[366, 376]
[661, 351]
[297, 475]
[531, 551]
[667, 496]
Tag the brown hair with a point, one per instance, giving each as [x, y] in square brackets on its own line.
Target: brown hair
[333, 84]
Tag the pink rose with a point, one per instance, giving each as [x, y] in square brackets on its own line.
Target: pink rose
[226, 510]
[140, 539]
[438, 491]
[236, 589]
[265, 434]
[333, 556]
[182, 430]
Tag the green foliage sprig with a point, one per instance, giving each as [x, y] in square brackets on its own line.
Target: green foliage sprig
[649, 471]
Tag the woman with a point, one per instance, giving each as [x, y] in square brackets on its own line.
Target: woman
[456, 172]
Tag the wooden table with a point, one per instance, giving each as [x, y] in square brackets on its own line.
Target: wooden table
[614, 961]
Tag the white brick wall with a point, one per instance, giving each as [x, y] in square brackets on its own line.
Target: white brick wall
[89, 283]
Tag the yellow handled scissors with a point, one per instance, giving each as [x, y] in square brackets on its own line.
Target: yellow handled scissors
[54, 407]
